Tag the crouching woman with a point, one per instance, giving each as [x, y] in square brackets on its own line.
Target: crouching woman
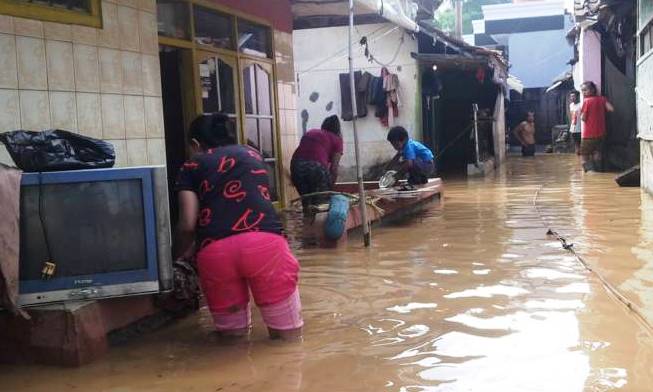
[228, 222]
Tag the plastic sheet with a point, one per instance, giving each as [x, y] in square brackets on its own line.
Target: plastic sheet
[57, 150]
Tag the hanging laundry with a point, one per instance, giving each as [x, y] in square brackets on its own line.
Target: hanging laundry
[345, 96]
[387, 109]
[480, 75]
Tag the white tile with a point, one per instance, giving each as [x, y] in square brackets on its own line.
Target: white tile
[148, 33]
[32, 73]
[132, 73]
[109, 36]
[134, 117]
[58, 31]
[10, 113]
[151, 76]
[84, 35]
[6, 24]
[63, 110]
[61, 74]
[129, 31]
[89, 117]
[120, 149]
[28, 27]
[156, 152]
[8, 62]
[110, 71]
[147, 5]
[87, 75]
[153, 117]
[136, 152]
[128, 3]
[113, 116]
[34, 110]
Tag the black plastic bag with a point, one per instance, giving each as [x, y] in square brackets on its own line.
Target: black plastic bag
[57, 150]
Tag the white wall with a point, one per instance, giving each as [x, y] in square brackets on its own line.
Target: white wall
[645, 120]
[320, 55]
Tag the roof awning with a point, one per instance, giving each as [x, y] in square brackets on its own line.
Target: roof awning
[560, 80]
[515, 84]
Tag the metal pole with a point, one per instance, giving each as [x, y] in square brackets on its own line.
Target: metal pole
[359, 170]
[475, 109]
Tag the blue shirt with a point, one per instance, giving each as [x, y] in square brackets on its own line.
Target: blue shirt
[415, 150]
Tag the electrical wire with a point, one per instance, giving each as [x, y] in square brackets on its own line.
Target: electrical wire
[342, 53]
[568, 246]
[41, 208]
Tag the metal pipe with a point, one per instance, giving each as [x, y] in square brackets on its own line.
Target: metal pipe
[475, 109]
[359, 171]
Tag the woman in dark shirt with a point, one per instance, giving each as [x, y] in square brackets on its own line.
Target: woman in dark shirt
[228, 220]
[314, 165]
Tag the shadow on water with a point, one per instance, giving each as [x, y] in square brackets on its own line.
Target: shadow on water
[470, 297]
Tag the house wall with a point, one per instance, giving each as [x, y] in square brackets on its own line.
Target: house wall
[645, 120]
[104, 83]
[321, 55]
[287, 100]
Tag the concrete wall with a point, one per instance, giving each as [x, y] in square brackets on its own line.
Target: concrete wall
[321, 55]
[104, 83]
[645, 119]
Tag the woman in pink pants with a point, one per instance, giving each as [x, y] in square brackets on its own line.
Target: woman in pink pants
[227, 219]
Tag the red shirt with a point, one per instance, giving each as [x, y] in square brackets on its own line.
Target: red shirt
[319, 146]
[593, 111]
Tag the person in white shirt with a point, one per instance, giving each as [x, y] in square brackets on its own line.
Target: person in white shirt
[574, 117]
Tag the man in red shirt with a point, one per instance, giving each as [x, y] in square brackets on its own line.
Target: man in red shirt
[593, 116]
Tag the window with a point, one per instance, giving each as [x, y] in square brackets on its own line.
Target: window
[646, 26]
[213, 28]
[81, 12]
[172, 19]
[259, 119]
[253, 39]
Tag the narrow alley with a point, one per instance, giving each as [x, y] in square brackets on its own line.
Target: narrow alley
[470, 297]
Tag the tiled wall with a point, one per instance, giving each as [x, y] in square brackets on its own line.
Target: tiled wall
[287, 106]
[104, 83]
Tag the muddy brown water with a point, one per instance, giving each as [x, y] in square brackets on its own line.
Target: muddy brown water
[471, 295]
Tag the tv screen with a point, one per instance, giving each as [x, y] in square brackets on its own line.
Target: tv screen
[84, 228]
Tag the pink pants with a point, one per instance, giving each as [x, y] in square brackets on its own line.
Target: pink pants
[261, 262]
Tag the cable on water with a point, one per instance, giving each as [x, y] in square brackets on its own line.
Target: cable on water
[569, 246]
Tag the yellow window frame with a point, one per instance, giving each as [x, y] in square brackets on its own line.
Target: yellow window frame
[52, 14]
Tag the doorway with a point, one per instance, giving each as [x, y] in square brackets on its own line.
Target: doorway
[175, 115]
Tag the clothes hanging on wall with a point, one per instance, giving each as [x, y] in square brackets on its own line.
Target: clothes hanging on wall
[361, 83]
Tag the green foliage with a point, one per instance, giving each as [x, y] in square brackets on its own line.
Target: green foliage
[446, 20]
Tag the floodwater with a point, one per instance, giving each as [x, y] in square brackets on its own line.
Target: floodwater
[471, 295]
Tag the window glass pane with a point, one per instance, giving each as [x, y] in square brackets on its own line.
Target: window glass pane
[267, 138]
[217, 83]
[172, 19]
[272, 174]
[213, 28]
[251, 133]
[263, 91]
[83, 6]
[249, 90]
[253, 39]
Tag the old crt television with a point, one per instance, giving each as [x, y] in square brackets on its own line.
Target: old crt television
[89, 234]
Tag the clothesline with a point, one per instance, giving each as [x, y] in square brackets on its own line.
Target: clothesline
[342, 53]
